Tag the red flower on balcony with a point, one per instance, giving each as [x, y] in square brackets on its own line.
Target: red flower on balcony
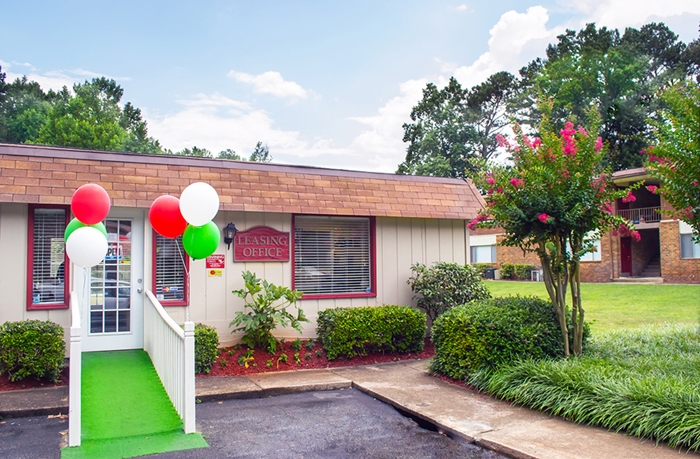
[629, 198]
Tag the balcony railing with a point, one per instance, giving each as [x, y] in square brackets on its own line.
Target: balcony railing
[641, 215]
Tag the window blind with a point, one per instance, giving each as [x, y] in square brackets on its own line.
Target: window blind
[48, 266]
[171, 280]
[332, 255]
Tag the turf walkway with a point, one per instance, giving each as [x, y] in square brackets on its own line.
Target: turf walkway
[125, 410]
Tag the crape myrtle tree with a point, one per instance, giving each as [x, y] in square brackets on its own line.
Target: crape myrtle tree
[551, 201]
[675, 158]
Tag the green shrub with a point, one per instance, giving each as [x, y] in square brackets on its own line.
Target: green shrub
[507, 270]
[444, 286]
[522, 271]
[356, 331]
[491, 333]
[31, 348]
[206, 344]
[268, 305]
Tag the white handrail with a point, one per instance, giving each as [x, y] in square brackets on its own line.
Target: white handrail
[75, 356]
[172, 352]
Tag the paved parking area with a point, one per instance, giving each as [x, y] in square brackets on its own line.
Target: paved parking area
[333, 424]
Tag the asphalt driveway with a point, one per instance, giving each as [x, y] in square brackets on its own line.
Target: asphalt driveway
[334, 424]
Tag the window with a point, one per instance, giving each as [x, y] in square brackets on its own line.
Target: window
[483, 254]
[689, 248]
[47, 286]
[334, 256]
[170, 271]
[593, 256]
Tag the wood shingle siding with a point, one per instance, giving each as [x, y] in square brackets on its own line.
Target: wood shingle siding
[50, 175]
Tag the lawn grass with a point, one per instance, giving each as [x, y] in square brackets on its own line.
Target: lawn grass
[617, 305]
[645, 382]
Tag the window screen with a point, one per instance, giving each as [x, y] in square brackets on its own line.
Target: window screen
[171, 267]
[47, 270]
[483, 254]
[332, 255]
[689, 249]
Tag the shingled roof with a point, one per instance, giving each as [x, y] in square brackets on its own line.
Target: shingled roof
[50, 175]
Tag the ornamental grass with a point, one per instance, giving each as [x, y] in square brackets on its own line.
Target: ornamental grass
[645, 382]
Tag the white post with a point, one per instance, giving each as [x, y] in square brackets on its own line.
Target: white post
[189, 402]
[74, 375]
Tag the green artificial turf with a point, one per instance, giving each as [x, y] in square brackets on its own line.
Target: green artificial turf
[615, 306]
[125, 409]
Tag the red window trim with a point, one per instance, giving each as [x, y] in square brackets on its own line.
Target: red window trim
[372, 255]
[30, 262]
[186, 283]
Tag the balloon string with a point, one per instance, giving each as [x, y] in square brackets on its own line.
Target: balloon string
[187, 272]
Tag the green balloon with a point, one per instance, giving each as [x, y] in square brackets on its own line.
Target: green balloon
[75, 224]
[201, 241]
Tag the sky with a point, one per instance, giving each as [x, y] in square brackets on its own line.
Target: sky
[322, 83]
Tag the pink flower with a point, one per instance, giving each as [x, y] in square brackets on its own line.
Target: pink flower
[516, 182]
[636, 236]
[490, 191]
[695, 183]
[598, 144]
[527, 141]
[490, 180]
[502, 142]
[652, 188]
[606, 207]
[499, 190]
[614, 233]
[544, 218]
[582, 130]
[630, 197]
[537, 143]
[567, 139]
[689, 213]
[565, 174]
[472, 225]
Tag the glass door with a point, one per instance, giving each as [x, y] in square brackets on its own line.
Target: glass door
[114, 319]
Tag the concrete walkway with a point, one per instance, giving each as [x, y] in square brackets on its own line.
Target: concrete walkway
[456, 411]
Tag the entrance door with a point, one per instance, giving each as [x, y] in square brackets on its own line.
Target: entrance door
[626, 256]
[114, 317]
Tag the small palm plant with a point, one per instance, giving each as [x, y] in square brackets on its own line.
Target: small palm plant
[267, 304]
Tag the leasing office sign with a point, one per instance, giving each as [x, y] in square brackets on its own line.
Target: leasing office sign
[261, 243]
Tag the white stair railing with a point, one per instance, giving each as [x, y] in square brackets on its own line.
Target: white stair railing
[75, 356]
[172, 352]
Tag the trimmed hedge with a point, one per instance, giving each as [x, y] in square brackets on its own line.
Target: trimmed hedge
[516, 271]
[482, 267]
[491, 333]
[32, 348]
[356, 331]
[206, 347]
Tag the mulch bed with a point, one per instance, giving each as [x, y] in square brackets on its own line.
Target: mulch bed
[234, 362]
[31, 383]
[227, 364]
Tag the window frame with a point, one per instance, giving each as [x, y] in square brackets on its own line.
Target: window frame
[186, 280]
[372, 261]
[31, 306]
[493, 254]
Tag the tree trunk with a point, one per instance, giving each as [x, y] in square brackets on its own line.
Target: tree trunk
[555, 280]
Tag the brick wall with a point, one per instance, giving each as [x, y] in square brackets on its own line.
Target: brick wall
[675, 269]
[600, 271]
[644, 250]
[514, 255]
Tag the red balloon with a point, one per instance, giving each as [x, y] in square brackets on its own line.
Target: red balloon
[90, 204]
[166, 218]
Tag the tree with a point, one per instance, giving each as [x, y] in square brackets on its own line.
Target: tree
[229, 154]
[617, 75]
[195, 151]
[557, 194]
[260, 154]
[23, 109]
[675, 158]
[90, 117]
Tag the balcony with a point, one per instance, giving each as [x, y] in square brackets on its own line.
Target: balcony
[642, 216]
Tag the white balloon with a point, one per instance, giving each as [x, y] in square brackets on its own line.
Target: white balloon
[86, 246]
[199, 203]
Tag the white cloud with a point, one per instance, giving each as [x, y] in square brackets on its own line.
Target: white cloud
[382, 144]
[625, 13]
[516, 39]
[271, 83]
[53, 79]
[462, 8]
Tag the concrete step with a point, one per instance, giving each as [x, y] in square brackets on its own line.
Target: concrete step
[640, 280]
